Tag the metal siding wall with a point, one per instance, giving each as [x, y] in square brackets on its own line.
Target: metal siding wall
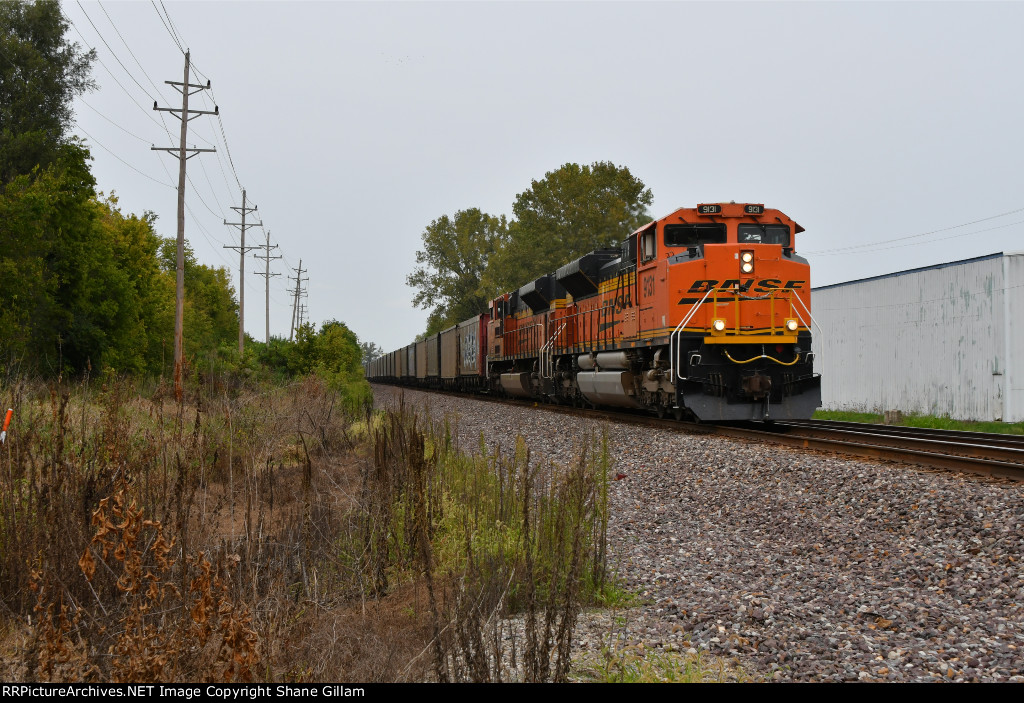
[925, 342]
[1013, 380]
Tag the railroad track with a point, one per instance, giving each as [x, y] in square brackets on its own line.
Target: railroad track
[996, 455]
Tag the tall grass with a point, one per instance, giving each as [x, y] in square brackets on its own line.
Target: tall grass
[274, 534]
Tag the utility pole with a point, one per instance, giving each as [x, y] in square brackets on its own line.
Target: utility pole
[241, 266]
[183, 154]
[296, 314]
[268, 275]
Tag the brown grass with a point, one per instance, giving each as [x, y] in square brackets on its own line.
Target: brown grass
[262, 535]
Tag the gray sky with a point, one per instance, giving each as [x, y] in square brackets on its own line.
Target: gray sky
[353, 125]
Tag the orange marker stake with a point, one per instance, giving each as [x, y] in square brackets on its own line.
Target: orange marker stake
[7, 423]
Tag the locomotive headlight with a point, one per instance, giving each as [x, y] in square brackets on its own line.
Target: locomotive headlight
[747, 257]
[791, 325]
[718, 325]
[747, 261]
[747, 268]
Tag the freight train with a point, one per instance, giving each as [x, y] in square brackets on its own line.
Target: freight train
[702, 314]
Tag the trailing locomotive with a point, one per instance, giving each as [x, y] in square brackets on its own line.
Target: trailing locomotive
[703, 313]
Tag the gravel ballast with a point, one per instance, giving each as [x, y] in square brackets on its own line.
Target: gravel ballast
[800, 565]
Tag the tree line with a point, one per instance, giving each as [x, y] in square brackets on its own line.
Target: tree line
[83, 285]
[471, 257]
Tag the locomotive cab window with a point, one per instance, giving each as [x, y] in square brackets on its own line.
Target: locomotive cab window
[695, 235]
[763, 234]
[647, 244]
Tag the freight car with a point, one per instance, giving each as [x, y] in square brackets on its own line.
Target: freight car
[703, 313]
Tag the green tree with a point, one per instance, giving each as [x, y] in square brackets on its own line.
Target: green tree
[40, 73]
[141, 341]
[211, 311]
[81, 284]
[571, 211]
[370, 351]
[54, 266]
[456, 253]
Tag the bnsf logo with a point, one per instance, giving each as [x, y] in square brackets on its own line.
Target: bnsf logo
[763, 286]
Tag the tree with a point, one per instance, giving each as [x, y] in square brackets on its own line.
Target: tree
[40, 73]
[456, 252]
[570, 212]
[370, 351]
[211, 311]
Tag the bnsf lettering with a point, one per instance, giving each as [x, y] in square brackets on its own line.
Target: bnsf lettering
[702, 286]
[734, 283]
[763, 286]
[622, 302]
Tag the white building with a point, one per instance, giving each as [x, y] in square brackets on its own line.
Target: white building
[939, 340]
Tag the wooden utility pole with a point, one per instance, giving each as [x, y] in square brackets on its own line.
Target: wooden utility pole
[183, 154]
[298, 295]
[241, 266]
[268, 275]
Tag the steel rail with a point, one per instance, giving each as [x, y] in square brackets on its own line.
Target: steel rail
[992, 438]
[981, 453]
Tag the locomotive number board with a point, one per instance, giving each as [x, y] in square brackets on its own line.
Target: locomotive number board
[753, 209]
[709, 209]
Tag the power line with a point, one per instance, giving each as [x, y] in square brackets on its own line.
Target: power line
[164, 23]
[119, 84]
[100, 144]
[123, 129]
[940, 239]
[913, 236]
[178, 39]
[112, 52]
[210, 239]
[134, 57]
[174, 29]
[121, 63]
[213, 190]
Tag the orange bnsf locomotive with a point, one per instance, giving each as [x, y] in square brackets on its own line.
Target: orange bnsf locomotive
[704, 314]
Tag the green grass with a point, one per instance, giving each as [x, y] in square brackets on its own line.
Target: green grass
[614, 594]
[632, 664]
[927, 421]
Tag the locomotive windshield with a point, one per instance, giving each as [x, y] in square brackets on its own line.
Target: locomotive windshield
[763, 234]
[695, 234]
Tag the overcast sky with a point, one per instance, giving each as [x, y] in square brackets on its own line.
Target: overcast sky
[353, 125]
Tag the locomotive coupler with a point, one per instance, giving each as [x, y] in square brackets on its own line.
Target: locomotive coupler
[757, 385]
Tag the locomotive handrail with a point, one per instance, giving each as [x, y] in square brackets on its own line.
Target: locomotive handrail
[813, 321]
[545, 354]
[673, 347]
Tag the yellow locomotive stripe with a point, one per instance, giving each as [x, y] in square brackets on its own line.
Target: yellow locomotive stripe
[614, 284]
